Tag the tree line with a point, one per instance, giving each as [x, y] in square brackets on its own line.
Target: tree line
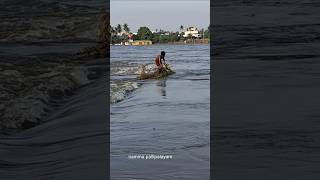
[119, 33]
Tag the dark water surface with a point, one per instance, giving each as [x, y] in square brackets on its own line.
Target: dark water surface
[68, 138]
[266, 89]
[169, 116]
[69, 142]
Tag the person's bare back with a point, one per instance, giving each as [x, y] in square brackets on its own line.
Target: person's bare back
[160, 61]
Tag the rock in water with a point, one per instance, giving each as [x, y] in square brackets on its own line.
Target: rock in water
[149, 71]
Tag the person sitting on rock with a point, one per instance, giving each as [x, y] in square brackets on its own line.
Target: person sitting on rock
[160, 61]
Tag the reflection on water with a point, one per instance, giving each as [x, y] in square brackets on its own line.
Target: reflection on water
[161, 86]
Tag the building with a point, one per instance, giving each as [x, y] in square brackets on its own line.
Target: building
[140, 42]
[191, 31]
[122, 33]
[130, 36]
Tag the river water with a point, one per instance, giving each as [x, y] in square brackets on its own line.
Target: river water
[266, 89]
[160, 117]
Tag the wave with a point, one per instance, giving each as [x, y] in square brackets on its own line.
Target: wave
[134, 70]
[130, 69]
[121, 89]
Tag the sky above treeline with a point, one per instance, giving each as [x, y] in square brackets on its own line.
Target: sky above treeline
[160, 14]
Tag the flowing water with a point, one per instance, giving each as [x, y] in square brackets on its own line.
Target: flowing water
[71, 139]
[67, 142]
[160, 117]
[266, 90]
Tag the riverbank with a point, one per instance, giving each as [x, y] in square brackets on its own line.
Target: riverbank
[189, 41]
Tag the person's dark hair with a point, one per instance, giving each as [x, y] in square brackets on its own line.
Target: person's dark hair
[163, 53]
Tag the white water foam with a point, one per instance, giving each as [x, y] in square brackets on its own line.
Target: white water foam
[120, 90]
[132, 69]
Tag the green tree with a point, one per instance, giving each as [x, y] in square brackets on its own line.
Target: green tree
[135, 37]
[155, 38]
[113, 31]
[118, 28]
[207, 33]
[126, 28]
[115, 39]
[201, 32]
[144, 33]
[181, 35]
[124, 37]
[176, 36]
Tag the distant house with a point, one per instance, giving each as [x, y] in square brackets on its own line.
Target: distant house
[141, 42]
[130, 36]
[125, 33]
[121, 33]
[191, 31]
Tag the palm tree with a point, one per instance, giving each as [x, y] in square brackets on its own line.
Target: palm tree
[112, 30]
[181, 27]
[190, 36]
[126, 28]
[118, 28]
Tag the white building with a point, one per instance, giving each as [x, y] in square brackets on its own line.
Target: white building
[193, 31]
[122, 33]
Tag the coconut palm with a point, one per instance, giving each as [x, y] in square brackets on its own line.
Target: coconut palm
[112, 30]
[126, 28]
[181, 27]
[118, 28]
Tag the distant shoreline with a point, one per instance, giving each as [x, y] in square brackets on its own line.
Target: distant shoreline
[189, 41]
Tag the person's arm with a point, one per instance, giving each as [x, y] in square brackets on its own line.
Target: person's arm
[164, 61]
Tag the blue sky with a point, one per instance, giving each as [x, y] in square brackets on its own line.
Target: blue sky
[160, 14]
